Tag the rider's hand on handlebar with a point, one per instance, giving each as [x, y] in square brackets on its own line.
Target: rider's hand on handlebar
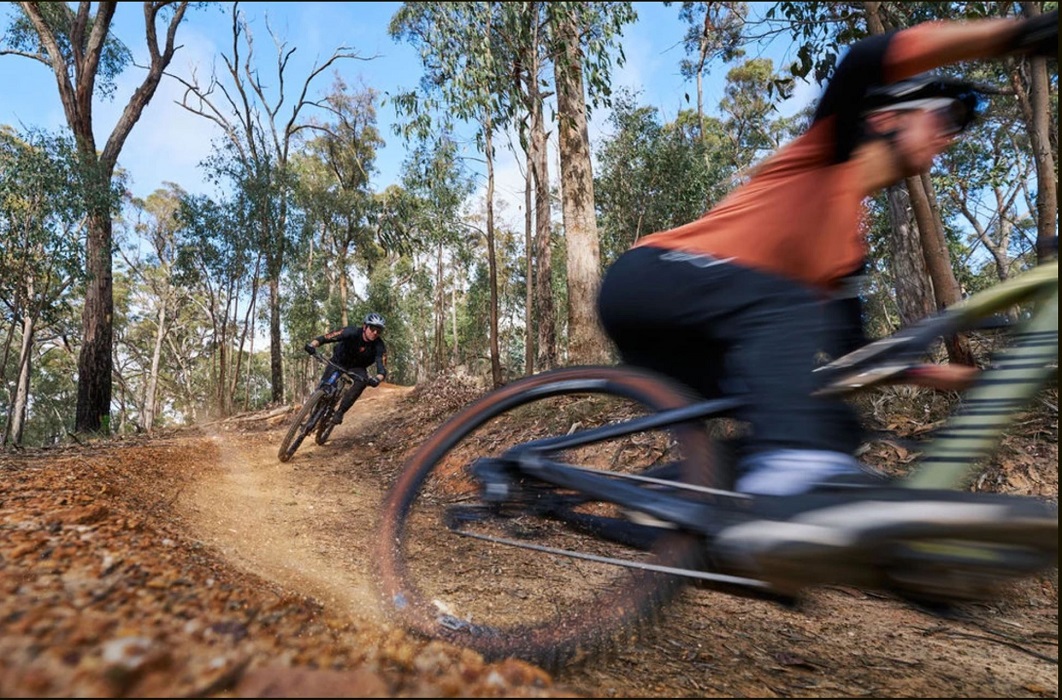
[310, 348]
[1037, 36]
[373, 381]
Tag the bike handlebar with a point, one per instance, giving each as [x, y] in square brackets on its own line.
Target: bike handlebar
[371, 381]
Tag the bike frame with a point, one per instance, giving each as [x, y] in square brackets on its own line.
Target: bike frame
[970, 435]
[339, 380]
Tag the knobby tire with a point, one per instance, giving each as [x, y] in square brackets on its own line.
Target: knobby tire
[324, 424]
[572, 628]
[303, 424]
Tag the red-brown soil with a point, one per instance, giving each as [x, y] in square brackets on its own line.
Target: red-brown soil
[195, 564]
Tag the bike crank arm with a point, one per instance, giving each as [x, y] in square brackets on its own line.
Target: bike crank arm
[592, 484]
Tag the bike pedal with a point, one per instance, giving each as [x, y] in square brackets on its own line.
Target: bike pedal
[495, 480]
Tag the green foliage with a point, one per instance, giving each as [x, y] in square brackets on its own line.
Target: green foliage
[714, 33]
[462, 74]
[749, 109]
[654, 176]
[54, 392]
[60, 18]
[437, 185]
[40, 208]
[41, 267]
[412, 251]
[600, 29]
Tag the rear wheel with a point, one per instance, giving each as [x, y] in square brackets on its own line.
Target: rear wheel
[303, 424]
[504, 600]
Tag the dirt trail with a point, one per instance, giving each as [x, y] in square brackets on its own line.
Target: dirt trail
[308, 525]
[268, 517]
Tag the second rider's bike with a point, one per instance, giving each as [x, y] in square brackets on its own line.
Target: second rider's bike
[316, 414]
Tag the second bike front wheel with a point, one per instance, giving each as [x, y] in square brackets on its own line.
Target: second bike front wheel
[503, 600]
[325, 426]
[304, 422]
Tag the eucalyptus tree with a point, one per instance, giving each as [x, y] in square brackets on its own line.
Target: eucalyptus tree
[749, 111]
[510, 296]
[578, 30]
[525, 43]
[984, 180]
[154, 292]
[713, 33]
[462, 82]
[435, 188]
[653, 175]
[41, 236]
[1039, 104]
[334, 186]
[77, 44]
[259, 122]
[218, 261]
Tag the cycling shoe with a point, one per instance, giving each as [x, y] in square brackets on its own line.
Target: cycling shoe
[871, 537]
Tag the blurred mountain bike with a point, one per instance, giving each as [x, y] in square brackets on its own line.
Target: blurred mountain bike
[560, 545]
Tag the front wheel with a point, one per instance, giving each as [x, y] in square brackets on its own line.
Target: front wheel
[503, 600]
[303, 424]
[325, 425]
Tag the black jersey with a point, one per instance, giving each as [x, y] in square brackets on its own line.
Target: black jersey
[353, 350]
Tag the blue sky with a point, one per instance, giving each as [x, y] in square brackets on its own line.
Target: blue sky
[168, 142]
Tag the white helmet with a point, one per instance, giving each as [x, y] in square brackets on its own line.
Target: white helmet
[375, 319]
[962, 102]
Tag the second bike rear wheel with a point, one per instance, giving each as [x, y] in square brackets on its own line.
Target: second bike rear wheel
[503, 600]
[304, 422]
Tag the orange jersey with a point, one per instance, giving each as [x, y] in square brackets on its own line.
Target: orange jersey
[800, 214]
[798, 217]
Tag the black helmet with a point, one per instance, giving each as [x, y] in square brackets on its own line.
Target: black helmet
[375, 319]
[961, 101]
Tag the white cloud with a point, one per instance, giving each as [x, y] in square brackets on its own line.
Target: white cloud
[168, 142]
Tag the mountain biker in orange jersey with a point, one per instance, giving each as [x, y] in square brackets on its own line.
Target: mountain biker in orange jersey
[749, 297]
[357, 348]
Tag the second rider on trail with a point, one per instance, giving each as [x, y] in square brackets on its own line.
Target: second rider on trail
[357, 347]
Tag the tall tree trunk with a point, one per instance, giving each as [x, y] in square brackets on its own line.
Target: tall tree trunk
[492, 264]
[946, 290]
[250, 368]
[529, 267]
[89, 36]
[453, 325]
[586, 342]
[344, 290]
[1038, 118]
[702, 57]
[276, 366]
[248, 329]
[224, 353]
[914, 289]
[545, 311]
[151, 391]
[439, 315]
[275, 231]
[94, 363]
[20, 405]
